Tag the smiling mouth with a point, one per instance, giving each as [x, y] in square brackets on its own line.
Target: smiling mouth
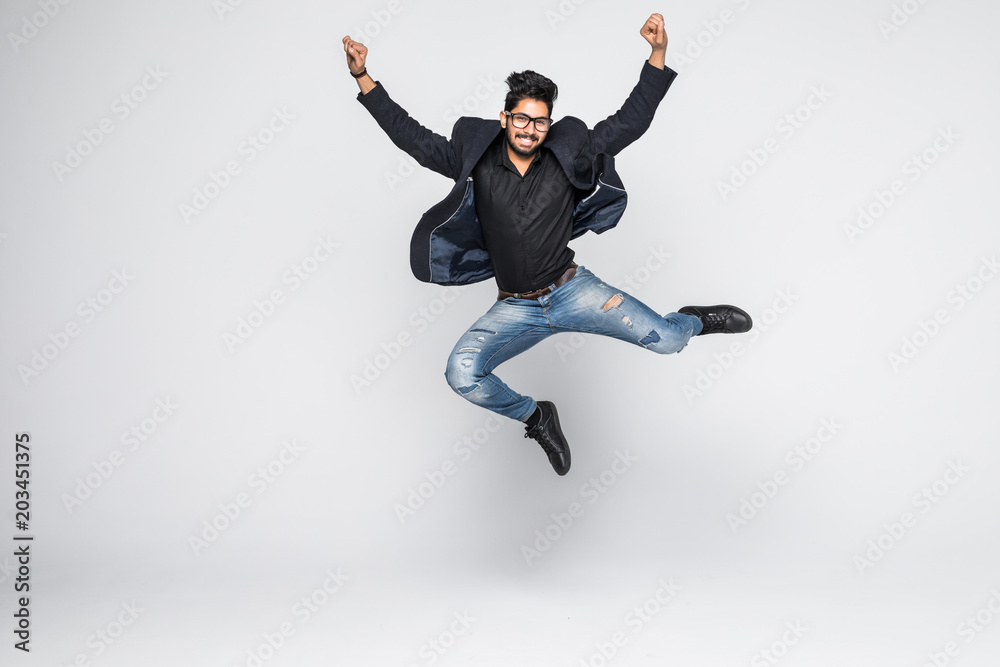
[526, 141]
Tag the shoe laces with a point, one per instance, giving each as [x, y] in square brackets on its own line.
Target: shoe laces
[538, 434]
[714, 320]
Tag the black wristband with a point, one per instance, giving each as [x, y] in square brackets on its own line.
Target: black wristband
[359, 74]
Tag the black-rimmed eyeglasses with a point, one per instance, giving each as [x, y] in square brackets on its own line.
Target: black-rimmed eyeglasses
[521, 121]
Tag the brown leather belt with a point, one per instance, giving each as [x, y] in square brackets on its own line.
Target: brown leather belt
[561, 280]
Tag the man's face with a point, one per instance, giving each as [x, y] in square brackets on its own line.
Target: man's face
[527, 140]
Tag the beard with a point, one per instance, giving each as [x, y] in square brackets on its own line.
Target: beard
[513, 134]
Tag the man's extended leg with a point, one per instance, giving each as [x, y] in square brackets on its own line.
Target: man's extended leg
[587, 304]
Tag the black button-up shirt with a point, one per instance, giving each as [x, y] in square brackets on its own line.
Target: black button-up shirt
[527, 221]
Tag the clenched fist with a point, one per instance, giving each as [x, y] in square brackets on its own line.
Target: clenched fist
[654, 33]
[357, 53]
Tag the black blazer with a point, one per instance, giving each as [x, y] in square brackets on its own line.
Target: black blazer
[447, 245]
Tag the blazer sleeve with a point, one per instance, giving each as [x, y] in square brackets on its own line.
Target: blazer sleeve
[629, 123]
[428, 148]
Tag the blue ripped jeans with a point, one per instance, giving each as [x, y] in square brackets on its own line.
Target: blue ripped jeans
[585, 304]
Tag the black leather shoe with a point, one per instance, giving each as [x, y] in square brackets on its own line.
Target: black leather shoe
[549, 435]
[720, 319]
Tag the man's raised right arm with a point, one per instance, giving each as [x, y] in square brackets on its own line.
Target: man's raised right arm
[428, 148]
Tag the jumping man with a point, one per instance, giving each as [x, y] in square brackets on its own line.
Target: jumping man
[524, 187]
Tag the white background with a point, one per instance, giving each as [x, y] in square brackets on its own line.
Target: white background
[704, 431]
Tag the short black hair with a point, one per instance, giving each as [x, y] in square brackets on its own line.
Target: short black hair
[530, 85]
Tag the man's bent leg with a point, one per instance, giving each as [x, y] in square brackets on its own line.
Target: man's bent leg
[509, 327]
